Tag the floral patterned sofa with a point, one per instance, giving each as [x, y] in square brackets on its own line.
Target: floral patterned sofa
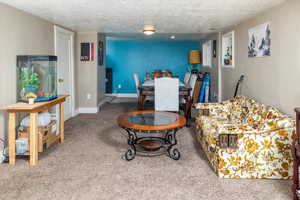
[246, 139]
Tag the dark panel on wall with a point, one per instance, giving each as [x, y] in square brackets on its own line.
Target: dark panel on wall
[109, 79]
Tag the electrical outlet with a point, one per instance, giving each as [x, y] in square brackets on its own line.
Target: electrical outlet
[119, 86]
[88, 96]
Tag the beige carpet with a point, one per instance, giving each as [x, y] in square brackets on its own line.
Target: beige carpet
[89, 166]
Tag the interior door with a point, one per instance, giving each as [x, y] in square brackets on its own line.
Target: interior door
[64, 72]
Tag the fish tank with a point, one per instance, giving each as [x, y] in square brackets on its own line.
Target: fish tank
[36, 77]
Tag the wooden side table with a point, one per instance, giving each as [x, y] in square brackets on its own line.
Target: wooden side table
[33, 110]
[296, 154]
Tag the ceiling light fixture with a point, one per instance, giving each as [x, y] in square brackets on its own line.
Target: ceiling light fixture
[149, 30]
[173, 37]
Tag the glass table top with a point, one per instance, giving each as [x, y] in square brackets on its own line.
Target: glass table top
[152, 119]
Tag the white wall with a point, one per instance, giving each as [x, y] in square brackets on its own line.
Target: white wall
[20, 34]
[86, 74]
[272, 80]
[90, 78]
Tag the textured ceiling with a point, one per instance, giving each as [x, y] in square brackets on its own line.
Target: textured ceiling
[157, 36]
[129, 16]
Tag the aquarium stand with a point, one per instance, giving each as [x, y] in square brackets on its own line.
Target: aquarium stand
[33, 110]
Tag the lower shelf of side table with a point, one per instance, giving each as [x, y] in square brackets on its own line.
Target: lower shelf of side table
[51, 141]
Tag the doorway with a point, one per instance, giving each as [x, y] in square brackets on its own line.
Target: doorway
[64, 50]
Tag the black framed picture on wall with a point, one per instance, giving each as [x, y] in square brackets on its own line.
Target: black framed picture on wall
[85, 51]
[100, 53]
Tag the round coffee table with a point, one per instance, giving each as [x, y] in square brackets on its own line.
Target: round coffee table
[151, 132]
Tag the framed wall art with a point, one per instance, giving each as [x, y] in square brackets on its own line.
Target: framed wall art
[207, 53]
[85, 51]
[228, 50]
[259, 41]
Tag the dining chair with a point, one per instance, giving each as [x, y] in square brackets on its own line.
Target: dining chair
[192, 83]
[166, 94]
[187, 78]
[137, 83]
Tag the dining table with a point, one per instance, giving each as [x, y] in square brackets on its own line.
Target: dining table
[147, 90]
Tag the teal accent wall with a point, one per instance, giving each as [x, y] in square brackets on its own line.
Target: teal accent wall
[128, 57]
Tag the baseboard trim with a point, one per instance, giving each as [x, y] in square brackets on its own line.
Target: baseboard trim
[123, 95]
[88, 110]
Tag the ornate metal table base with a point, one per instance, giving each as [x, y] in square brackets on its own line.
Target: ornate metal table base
[151, 133]
[167, 143]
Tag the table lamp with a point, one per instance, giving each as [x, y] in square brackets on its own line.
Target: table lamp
[194, 59]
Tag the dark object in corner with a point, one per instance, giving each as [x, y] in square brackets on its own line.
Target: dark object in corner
[238, 85]
[100, 53]
[215, 48]
[6, 160]
[296, 157]
[108, 81]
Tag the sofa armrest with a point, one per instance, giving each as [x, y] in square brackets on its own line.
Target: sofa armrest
[220, 110]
